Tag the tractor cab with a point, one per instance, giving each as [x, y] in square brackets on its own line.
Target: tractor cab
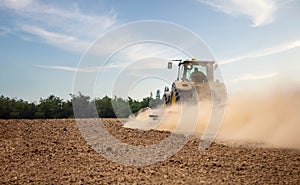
[186, 88]
[187, 68]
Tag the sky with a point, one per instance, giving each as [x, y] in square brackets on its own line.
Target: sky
[45, 45]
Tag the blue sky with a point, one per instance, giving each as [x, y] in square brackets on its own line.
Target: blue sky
[256, 42]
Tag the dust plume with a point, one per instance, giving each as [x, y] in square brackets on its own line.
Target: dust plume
[172, 118]
[270, 117]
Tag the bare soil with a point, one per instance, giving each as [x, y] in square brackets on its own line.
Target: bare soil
[54, 152]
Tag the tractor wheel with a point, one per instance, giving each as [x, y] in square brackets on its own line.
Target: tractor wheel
[175, 96]
[165, 101]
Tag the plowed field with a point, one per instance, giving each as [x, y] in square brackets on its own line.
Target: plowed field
[54, 152]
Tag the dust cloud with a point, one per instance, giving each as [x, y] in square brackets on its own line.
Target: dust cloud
[271, 118]
[172, 118]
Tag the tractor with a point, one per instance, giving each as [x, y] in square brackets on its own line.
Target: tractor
[195, 81]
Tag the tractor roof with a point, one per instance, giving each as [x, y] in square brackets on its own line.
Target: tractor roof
[197, 62]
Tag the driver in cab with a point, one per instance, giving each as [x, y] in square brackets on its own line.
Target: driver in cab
[198, 76]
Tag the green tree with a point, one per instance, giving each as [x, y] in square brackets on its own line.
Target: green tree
[104, 107]
[145, 102]
[51, 107]
[15, 109]
[121, 107]
[67, 110]
[82, 107]
[134, 105]
[5, 107]
[22, 109]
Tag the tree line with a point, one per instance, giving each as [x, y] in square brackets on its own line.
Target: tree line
[54, 107]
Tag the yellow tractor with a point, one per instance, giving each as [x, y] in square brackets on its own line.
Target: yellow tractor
[195, 81]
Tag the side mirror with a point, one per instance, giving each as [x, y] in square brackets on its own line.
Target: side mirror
[169, 65]
[166, 89]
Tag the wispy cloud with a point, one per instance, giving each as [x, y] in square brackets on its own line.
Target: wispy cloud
[16, 4]
[260, 12]
[142, 56]
[4, 30]
[59, 40]
[53, 25]
[83, 69]
[265, 52]
[144, 50]
[248, 77]
[73, 69]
